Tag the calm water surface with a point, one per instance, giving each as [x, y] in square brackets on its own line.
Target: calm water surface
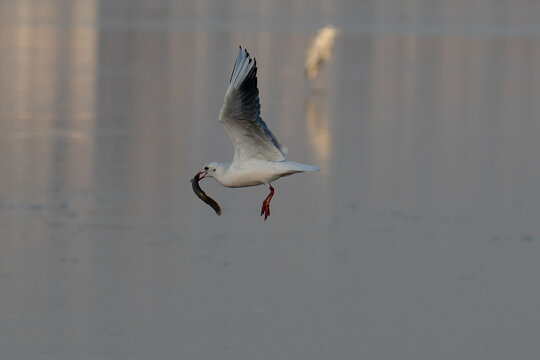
[419, 238]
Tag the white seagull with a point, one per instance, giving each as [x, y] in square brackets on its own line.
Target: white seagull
[319, 51]
[258, 157]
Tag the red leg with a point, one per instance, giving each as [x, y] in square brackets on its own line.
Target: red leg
[263, 208]
[266, 204]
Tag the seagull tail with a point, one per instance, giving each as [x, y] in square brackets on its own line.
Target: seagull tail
[298, 167]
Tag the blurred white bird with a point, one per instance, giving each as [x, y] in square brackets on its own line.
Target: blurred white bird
[258, 157]
[319, 51]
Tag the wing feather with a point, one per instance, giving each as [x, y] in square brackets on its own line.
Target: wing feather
[240, 115]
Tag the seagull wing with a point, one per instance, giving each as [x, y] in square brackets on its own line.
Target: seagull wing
[241, 115]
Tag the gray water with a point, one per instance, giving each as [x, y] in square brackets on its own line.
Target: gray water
[418, 239]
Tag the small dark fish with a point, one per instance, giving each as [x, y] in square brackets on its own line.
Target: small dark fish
[202, 195]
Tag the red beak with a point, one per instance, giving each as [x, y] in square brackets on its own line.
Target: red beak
[202, 172]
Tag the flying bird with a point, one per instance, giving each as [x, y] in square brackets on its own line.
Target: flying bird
[258, 157]
[319, 51]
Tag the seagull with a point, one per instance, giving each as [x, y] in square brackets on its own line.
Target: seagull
[319, 51]
[258, 157]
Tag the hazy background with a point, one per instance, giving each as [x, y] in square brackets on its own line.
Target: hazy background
[419, 238]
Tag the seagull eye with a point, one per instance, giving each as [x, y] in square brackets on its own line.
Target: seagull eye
[213, 169]
[206, 168]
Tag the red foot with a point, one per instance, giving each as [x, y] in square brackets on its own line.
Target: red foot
[265, 209]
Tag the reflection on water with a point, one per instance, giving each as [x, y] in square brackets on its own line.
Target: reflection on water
[48, 95]
[452, 111]
[318, 128]
[420, 231]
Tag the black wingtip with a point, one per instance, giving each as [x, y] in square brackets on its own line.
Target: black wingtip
[245, 52]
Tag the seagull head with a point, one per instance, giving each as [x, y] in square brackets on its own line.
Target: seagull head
[212, 169]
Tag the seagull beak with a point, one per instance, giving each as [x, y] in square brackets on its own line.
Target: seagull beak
[204, 173]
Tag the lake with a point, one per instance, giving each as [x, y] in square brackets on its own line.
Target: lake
[418, 239]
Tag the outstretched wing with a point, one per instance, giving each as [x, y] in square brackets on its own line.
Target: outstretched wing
[240, 115]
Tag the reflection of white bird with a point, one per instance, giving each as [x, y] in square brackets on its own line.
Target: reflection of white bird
[258, 157]
[319, 51]
[318, 127]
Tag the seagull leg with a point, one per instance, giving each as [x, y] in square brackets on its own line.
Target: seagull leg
[263, 208]
[266, 203]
